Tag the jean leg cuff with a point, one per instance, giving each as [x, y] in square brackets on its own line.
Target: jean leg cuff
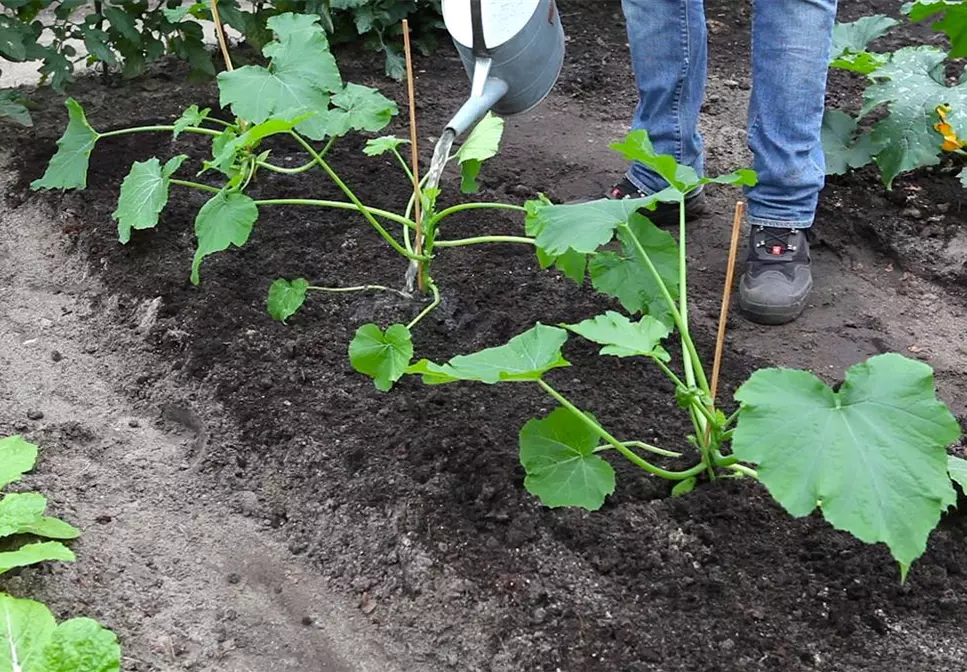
[780, 223]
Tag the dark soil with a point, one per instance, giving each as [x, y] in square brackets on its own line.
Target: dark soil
[414, 499]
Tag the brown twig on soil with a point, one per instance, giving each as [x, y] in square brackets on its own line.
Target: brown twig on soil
[220, 33]
[414, 152]
[726, 297]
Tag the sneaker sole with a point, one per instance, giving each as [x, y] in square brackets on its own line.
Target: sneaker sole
[773, 315]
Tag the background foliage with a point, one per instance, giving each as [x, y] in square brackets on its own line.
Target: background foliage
[126, 35]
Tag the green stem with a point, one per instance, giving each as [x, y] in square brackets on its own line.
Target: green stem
[618, 445]
[406, 168]
[155, 129]
[194, 185]
[693, 363]
[676, 315]
[671, 374]
[643, 446]
[360, 288]
[352, 197]
[429, 309]
[452, 210]
[339, 205]
[732, 418]
[745, 471]
[721, 460]
[483, 239]
[286, 171]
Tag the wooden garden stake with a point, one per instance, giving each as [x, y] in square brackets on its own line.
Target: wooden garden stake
[220, 32]
[414, 153]
[727, 297]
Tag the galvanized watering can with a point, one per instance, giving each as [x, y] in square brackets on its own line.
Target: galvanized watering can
[512, 50]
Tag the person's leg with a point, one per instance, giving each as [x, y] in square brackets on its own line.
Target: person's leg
[669, 53]
[791, 42]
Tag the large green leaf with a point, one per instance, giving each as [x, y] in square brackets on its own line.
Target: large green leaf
[525, 357]
[144, 194]
[623, 338]
[582, 227]
[32, 641]
[483, 143]
[383, 356]
[298, 80]
[872, 456]
[627, 278]
[562, 470]
[912, 85]
[843, 151]
[227, 219]
[359, 108]
[32, 554]
[17, 457]
[68, 167]
[285, 298]
[953, 22]
[850, 41]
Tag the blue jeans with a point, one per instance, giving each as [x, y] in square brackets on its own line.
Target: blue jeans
[791, 41]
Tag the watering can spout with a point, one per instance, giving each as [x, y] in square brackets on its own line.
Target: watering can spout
[485, 92]
[512, 51]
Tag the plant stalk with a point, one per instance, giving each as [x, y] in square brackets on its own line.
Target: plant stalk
[618, 445]
[352, 197]
[461, 242]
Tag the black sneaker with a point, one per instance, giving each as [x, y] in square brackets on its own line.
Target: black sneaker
[666, 214]
[777, 278]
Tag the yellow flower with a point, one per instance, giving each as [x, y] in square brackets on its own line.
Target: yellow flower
[951, 142]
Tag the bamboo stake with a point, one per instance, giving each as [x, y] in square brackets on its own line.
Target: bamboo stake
[414, 153]
[727, 297]
[220, 32]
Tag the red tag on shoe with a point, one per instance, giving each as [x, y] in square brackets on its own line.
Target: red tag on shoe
[777, 250]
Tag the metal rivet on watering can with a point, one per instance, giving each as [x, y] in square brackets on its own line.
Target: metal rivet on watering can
[513, 51]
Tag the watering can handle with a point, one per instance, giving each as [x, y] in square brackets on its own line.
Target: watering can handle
[476, 21]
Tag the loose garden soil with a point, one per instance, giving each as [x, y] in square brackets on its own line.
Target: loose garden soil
[339, 528]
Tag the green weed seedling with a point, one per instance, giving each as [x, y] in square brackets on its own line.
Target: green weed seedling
[300, 95]
[871, 456]
[30, 639]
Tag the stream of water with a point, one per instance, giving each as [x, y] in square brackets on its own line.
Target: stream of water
[441, 154]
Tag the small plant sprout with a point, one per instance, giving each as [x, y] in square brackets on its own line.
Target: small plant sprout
[300, 95]
[870, 455]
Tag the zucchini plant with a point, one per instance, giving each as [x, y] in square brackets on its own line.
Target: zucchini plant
[870, 455]
[30, 639]
[925, 110]
[299, 94]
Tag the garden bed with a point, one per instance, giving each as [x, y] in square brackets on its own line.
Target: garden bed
[412, 502]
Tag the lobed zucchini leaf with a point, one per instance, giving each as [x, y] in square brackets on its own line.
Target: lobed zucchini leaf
[558, 454]
[227, 219]
[623, 338]
[842, 149]
[383, 356]
[286, 297]
[525, 357]
[483, 143]
[68, 167]
[871, 456]
[144, 194]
